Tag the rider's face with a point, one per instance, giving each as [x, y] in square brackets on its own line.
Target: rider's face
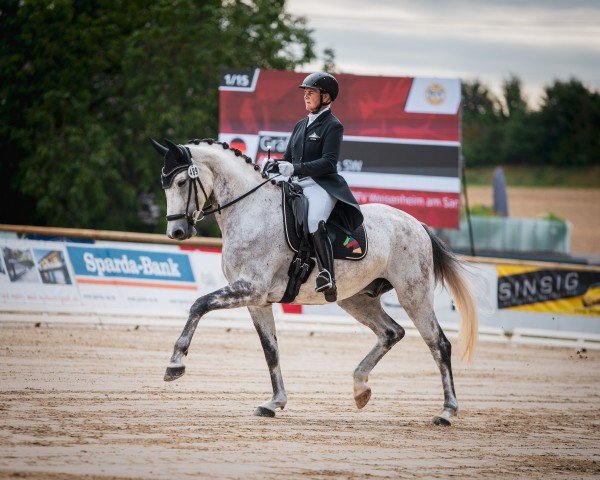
[311, 99]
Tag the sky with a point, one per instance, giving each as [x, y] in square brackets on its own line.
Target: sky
[536, 40]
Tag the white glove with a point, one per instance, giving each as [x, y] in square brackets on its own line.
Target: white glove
[267, 166]
[286, 168]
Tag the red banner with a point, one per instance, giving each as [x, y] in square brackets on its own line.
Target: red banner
[392, 125]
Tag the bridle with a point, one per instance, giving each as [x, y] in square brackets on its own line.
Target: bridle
[195, 182]
[198, 214]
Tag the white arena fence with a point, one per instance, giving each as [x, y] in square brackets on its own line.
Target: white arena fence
[119, 278]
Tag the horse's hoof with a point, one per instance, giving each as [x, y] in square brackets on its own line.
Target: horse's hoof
[363, 398]
[174, 372]
[441, 421]
[264, 412]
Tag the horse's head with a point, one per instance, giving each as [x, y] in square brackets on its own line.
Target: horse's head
[187, 186]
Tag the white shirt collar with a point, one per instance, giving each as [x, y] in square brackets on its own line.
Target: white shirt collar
[313, 116]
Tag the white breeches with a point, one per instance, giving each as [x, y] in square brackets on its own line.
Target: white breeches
[320, 203]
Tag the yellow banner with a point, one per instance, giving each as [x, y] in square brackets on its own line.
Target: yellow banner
[553, 290]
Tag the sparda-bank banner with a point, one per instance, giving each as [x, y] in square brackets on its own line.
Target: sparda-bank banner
[105, 275]
[401, 141]
[103, 265]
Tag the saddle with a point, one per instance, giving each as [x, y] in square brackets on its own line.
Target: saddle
[347, 245]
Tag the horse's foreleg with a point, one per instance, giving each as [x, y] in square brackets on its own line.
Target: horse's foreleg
[238, 294]
[265, 326]
[368, 311]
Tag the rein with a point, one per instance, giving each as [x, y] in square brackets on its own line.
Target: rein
[199, 214]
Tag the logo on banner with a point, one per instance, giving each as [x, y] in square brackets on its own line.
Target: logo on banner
[239, 144]
[240, 79]
[236, 80]
[559, 290]
[350, 165]
[278, 144]
[435, 94]
[111, 263]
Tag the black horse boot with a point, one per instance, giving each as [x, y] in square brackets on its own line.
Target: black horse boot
[324, 254]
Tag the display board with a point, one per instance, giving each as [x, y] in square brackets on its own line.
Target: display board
[550, 290]
[106, 275]
[401, 141]
[152, 279]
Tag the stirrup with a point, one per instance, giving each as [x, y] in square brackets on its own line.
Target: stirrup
[325, 277]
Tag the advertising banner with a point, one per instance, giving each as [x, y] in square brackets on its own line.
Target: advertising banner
[401, 141]
[567, 291]
[111, 276]
[131, 276]
[36, 272]
[115, 266]
[165, 280]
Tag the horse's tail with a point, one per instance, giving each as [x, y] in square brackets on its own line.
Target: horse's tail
[447, 269]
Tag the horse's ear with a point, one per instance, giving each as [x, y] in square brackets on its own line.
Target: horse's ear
[178, 153]
[158, 147]
[171, 145]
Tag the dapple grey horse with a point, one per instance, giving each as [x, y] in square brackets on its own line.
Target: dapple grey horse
[403, 255]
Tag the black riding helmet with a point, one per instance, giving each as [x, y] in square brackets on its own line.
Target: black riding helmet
[324, 82]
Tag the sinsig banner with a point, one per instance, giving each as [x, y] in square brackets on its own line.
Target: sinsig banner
[568, 291]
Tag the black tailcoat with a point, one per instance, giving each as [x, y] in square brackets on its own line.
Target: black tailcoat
[314, 152]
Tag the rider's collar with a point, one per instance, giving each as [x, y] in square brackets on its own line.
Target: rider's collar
[175, 162]
[313, 116]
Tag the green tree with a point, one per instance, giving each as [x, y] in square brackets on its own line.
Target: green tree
[83, 84]
[570, 124]
[57, 60]
[513, 98]
[564, 131]
[481, 115]
[329, 65]
[519, 126]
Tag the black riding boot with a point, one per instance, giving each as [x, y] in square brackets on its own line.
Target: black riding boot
[324, 254]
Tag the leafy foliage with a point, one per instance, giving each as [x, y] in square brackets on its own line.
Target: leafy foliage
[329, 65]
[479, 210]
[84, 84]
[563, 132]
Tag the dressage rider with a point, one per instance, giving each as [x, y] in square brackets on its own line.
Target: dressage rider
[310, 159]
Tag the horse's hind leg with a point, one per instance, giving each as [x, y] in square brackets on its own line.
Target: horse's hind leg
[421, 313]
[265, 326]
[368, 311]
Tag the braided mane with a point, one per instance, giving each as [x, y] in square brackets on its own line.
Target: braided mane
[236, 152]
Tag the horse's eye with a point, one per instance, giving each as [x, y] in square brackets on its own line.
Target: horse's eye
[181, 182]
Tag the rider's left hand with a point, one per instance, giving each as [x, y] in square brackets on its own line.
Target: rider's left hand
[270, 166]
[286, 168]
